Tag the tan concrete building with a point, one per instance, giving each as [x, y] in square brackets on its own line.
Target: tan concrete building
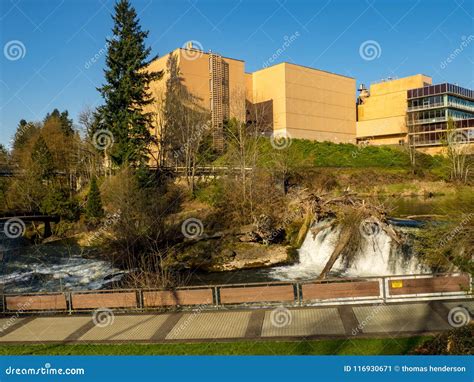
[307, 103]
[211, 78]
[301, 102]
[382, 110]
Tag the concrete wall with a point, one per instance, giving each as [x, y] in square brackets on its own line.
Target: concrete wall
[194, 69]
[383, 113]
[307, 103]
[195, 73]
[269, 84]
[319, 105]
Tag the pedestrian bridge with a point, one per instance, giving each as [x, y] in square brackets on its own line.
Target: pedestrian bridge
[358, 308]
[16, 222]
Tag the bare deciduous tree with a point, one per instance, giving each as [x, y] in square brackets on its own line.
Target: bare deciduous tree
[457, 152]
[183, 123]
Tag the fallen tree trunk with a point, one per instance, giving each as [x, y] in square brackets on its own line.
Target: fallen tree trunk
[392, 233]
[343, 240]
[316, 230]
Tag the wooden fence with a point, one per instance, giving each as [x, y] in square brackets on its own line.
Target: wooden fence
[336, 291]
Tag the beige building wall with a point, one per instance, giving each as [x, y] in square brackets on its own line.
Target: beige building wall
[194, 69]
[319, 105]
[269, 84]
[382, 115]
[157, 88]
[307, 103]
[195, 73]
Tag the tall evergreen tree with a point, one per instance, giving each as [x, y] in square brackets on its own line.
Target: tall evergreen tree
[126, 91]
[94, 209]
[42, 159]
[3, 154]
[23, 134]
[63, 118]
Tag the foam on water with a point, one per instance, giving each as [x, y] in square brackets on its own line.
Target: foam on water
[377, 256]
[44, 268]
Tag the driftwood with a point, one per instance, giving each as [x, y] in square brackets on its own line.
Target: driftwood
[392, 233]
[344, 238]
[316, 230]
[337, 209]
[427, 216]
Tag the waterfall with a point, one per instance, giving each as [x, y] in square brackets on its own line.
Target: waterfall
[378, 255]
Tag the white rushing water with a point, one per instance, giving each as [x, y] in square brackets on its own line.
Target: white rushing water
[66, 274]
[377, 256]
[47, 268]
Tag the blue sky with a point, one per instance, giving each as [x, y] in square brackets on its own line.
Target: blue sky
[47, 45]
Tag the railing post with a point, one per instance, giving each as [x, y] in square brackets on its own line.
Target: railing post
[139, 297]
[4, 302]
[386, 292]
[297, 291]
[217, 296]
[69, 302]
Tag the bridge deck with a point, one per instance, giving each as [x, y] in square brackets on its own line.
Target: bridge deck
[30, 218]
[399, 319]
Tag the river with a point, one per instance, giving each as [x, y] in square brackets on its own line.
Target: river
[51, 267]
[55, 267]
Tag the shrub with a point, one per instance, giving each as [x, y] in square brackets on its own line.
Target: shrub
[458, 341]
[58, 202]
[210, 193]
[94, 208]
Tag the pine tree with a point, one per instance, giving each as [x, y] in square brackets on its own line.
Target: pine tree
[63, 118]
[126, 91]
[23, 134]
[42, 159]
[94, 208]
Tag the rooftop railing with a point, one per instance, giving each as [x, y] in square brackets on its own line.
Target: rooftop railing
[441, 104]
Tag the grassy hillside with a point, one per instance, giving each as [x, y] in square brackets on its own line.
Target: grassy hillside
[302, 153]
[327, 154]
